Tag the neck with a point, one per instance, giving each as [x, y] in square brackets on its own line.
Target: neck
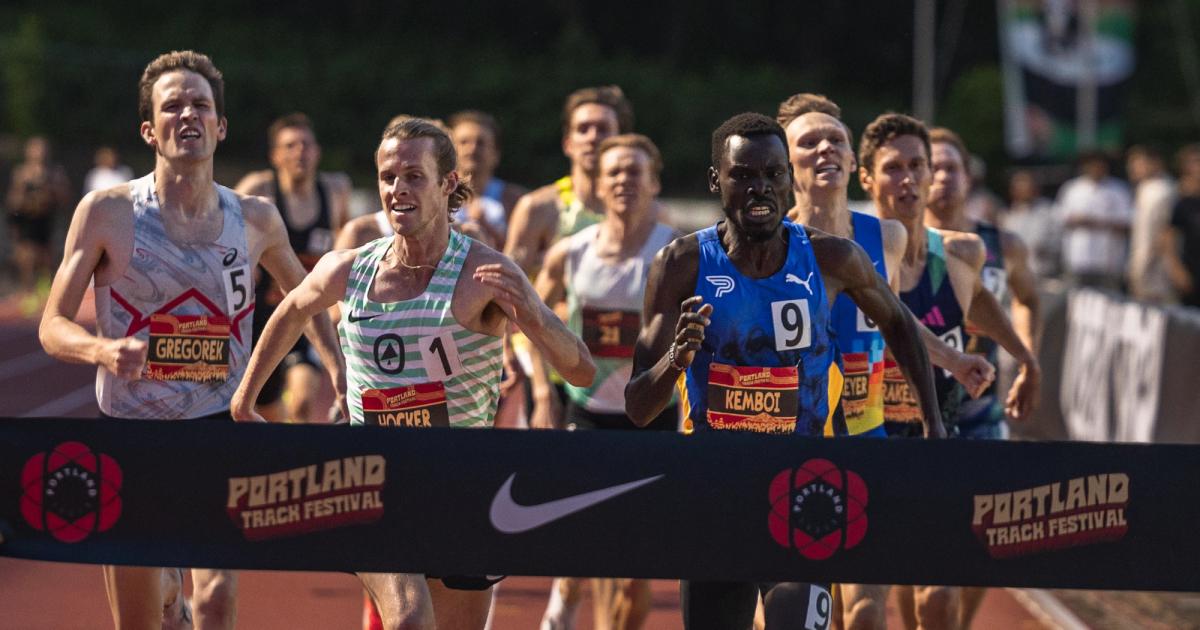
[948, 218]
[187, 188]
[830, 214]
[419, 250]
[300, 186]
[584, 187]
[626, 229]
[914, 251]
[760, 258]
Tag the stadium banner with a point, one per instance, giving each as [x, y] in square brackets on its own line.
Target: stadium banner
[1065, 65]
[707, 507]
[1116, 370]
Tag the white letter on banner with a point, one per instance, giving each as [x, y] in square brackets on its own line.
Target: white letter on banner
[1137, 368]
[1085, 378]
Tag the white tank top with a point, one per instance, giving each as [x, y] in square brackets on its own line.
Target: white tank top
[604, 301]
[191, 303]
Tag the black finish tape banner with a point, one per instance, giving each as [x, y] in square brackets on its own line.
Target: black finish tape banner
[716, 507]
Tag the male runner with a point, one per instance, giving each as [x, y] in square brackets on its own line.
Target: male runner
[753, 292]
[563, 208]
[476, 136]
[168, 251]
[1006, 272]
[445, 298]
[314, 206]
[601, 273]
[822, 162]
[941, 283]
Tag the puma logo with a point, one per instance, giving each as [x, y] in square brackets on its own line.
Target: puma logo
[791, 277]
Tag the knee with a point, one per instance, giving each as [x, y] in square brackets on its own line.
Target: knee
[215, 597]
[937, 607]
[866, 614]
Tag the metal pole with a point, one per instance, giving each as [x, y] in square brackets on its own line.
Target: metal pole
[924, 18]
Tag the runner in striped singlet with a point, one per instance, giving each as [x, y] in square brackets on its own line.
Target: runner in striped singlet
[171, 255]
[422, 314]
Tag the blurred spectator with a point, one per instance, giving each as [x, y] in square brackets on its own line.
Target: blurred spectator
[1031, 216]
[476, 135]
[38, 193]
[1096, 210]
[1180, 241]
[1153, 199]
[108, 171]
[983, 206]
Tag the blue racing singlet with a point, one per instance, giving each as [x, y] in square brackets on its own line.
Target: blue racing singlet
[933, 302]
[987, 410]
[765, 364]
[858, 340]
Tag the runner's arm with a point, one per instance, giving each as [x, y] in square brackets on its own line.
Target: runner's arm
[850, 266]
[671, 318]
[526, 233]
[972, 370]
[317, 292]
[515, 296]
[551, 288]
[1026, 305]
[95, 222]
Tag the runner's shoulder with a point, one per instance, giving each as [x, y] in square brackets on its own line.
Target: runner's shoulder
[336, 181]
[964, 246]
[256, 183]
[260, 212]
[840, 257]
[359, 231]
[540, 200]
[107, 207]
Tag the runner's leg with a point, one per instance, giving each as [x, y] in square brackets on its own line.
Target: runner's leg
[620, 603]
[458, 609]
[214, 597]
[864, 606]
[402, 599]
[143, 597]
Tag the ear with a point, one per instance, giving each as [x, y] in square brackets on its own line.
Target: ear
[450, 183]
[864, 179]
[146, 131]
[655, 187]
[222, 128]
[714, 183]
[566, 138]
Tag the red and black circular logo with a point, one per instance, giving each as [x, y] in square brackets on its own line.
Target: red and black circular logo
[818, 509]
[71, 492]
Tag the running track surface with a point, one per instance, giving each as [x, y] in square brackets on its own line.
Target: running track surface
[42, 595]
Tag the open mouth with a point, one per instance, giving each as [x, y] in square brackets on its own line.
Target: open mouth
[759, 211]
[828, 168]
[189, 133]
[401, 208]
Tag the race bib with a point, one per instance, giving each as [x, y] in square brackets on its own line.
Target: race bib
[856, 372]
[421, 405]
[759, 399]
[899, 403]
[188, 348]
[610, 334]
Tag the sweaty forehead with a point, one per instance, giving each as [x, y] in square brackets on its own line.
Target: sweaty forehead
[179, 82]
[397, 154]
[756, 150]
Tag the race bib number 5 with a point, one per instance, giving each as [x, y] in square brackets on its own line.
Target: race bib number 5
[237, 289]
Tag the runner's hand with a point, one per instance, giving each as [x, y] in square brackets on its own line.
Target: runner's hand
[248, 415]
[511, 290]
[689, 330]
[1023, 397]
[974, 372]
[339, 411]
[512, 372]
[124, 357]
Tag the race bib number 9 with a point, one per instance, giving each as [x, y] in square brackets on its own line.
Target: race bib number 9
[793, 324]
[610, 334]
[188, 348]
[820, 608]
[758, 399]
[422, 405]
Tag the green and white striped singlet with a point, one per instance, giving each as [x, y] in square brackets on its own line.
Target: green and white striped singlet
[401, 355]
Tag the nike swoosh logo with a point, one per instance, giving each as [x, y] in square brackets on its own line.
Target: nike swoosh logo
[512, 518]
[360, 318]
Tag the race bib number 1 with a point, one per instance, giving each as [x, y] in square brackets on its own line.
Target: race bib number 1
[439, 355]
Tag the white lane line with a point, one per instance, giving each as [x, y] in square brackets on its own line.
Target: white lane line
[63, 404]
[1047, 608]
[24, 364]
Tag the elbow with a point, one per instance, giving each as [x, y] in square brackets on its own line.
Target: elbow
[583, 372]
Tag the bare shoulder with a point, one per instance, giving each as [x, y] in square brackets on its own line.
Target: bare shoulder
[256, 182]
[894, 233]
[839, 257]
[336, 181]
[965, 246]
[483, 254]
[107, 209]
[541, 200]
[358, 231]
[1014, 246]
[260, 213]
